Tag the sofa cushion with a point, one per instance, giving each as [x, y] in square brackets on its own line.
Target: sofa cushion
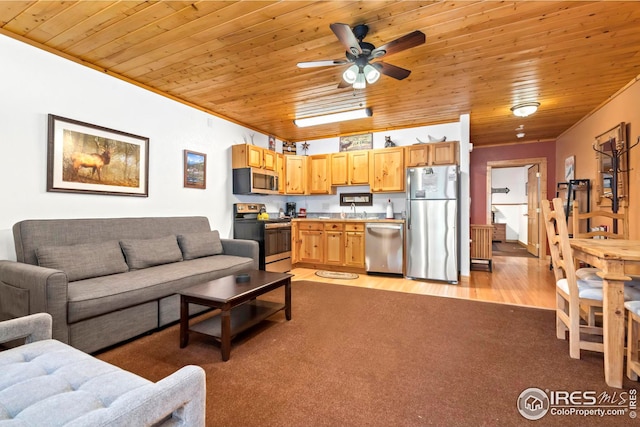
[198, 245]
[83, 261]
[149, 252]
[100, 295]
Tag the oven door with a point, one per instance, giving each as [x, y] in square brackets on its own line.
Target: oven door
[277, 249]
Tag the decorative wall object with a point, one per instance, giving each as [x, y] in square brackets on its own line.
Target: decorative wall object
[195, 170]
[357, 199]
[289, 148]
[272, 143]
[356, 142]
[612, 166]
[569, 168]
[91, 159]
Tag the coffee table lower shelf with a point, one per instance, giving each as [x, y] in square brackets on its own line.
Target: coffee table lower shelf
[242, 317]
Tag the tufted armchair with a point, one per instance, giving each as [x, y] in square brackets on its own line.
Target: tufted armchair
[46, 382]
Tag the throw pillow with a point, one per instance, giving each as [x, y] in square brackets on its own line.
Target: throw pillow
[85, 260]
[198, 245]
[149, 252]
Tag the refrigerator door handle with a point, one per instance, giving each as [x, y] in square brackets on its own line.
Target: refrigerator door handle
[409, 200]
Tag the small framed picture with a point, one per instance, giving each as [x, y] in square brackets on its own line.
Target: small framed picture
[195, 170]
[272, 143]
[356, 142]
[569, 168]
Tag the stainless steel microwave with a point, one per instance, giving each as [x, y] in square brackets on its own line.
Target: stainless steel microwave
[254, 181]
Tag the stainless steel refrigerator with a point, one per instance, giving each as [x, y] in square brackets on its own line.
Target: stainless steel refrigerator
[432, 223]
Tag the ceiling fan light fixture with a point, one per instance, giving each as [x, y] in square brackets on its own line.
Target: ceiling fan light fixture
[525, 109]
[371, 74]
[350, 74]
[333, 118]
[360, 82]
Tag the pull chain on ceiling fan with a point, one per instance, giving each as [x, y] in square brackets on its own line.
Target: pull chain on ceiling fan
[359, 53]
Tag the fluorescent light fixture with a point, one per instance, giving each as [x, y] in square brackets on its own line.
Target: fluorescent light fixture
[335, 117]
[525, 109]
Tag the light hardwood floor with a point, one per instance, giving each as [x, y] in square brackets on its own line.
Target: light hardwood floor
[514, 280]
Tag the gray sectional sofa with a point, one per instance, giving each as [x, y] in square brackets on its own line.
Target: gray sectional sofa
[110, 279]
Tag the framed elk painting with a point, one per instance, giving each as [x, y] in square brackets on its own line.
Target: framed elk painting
[85, 158]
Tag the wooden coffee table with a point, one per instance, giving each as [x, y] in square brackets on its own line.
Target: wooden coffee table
[238, 304]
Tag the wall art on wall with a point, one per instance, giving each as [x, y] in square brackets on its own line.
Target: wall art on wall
[272, 143]
[195, 169]
[289, 148]
[356, 142]
[569, 168]
[91, 159]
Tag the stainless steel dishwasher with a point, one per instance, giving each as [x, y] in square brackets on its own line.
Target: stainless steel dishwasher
[384, 245]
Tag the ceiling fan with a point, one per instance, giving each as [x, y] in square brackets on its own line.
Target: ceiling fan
[359, 53]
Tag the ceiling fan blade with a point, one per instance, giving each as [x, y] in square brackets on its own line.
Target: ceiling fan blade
[405, 42]
[344, 33]
[392, 70]
[343, 84]
[326, 63]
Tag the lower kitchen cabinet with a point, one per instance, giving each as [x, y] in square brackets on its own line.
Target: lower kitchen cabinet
[310, 242]
[328, 244]
[354, 245]
[334, 243]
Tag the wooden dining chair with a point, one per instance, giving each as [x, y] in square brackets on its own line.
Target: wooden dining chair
[571, 293]
[583, 220]
[633, 339]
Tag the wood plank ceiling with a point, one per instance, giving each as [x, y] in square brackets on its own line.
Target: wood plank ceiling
[238, 60]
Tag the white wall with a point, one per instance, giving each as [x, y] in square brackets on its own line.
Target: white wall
[36, 83]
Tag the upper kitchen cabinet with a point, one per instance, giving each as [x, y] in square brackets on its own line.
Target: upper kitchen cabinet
[437, 153]
[387, 170]
[282, 177]
[252, 156]
[296, 173]
[350, 168]
[319, 174]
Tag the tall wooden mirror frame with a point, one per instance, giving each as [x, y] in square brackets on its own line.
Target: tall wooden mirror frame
[603, 146]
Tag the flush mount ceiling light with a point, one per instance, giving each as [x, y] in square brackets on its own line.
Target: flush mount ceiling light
[525, 109]
[333, 118]
[520, 134]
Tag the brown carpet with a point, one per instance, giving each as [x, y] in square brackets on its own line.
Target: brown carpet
[362, 357]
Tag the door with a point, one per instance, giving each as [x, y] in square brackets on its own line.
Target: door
[533, 210]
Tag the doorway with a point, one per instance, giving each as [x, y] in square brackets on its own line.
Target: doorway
[536, 191]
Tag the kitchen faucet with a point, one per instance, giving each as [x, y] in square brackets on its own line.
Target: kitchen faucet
[353, 208]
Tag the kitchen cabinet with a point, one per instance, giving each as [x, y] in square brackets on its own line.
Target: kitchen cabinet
[437, 153]
[252, 156]
[296, 174]
[310, 242]
[282, 177]
[334, 243]
[319, 174]
[387, 173]
[354, 245]
[329, 243]
[350, 168]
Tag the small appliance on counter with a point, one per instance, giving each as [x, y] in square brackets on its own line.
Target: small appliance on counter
[302, 213]
[291, 210]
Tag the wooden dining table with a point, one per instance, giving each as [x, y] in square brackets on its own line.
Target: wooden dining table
[617, 259]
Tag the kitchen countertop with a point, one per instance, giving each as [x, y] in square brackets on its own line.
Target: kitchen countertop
[393, 221]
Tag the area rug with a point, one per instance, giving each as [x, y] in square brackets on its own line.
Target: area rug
[510, 249]
[353, 356]
[336, 275]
